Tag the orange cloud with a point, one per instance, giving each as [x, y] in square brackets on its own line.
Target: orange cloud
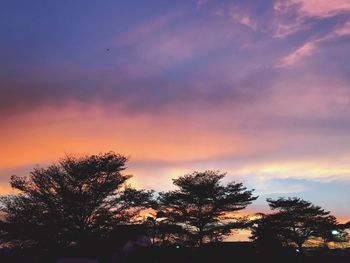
[143, 137]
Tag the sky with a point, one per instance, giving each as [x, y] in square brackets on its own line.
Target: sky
[257, 89]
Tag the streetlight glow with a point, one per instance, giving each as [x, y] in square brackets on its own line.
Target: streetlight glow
[335, 232]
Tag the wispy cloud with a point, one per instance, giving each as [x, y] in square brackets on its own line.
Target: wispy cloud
[296, 15]
[313, 8]
[243, 17]
[302, 52]
[343, 30]
[283, 30]
[308, 48]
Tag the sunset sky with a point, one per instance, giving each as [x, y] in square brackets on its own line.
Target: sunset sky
[257, 89]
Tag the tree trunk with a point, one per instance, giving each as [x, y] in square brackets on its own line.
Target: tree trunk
[300, 248]
[200, 237]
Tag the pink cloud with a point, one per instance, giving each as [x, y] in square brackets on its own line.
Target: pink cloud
[304, 51]
[243, 18]
[283, 30]
[339, 31]
[292, 15]
[313, 8]
[308, 48]
[343, 30]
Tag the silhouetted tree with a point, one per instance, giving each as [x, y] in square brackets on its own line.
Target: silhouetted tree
[162, 231]
[71, 203]
[297, 220]
[265, 233]
[204, 207]
[347, 225]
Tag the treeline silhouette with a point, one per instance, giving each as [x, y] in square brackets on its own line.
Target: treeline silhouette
[84, 207]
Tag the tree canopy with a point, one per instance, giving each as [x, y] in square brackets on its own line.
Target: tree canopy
[294, 222]
[204, 206]
[71, 202]
[265, 234]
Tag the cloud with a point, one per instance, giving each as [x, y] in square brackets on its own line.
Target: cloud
[158, 65]
[343, 30]
[302, 52]
[192, 89]
[121, 91]
[283, 30]
[243, 18]
[313, 8]
[299, 15]
[308, 48]
[340, 30]
[268, 186]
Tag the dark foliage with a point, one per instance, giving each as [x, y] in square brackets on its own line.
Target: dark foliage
[294, 222]
[164, 232]
[70, 204]
[204, 207]
[82, 207]
[265, 234]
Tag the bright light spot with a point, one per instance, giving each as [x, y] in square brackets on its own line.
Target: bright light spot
[297, 250]
[177, 246]
[335, 232]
